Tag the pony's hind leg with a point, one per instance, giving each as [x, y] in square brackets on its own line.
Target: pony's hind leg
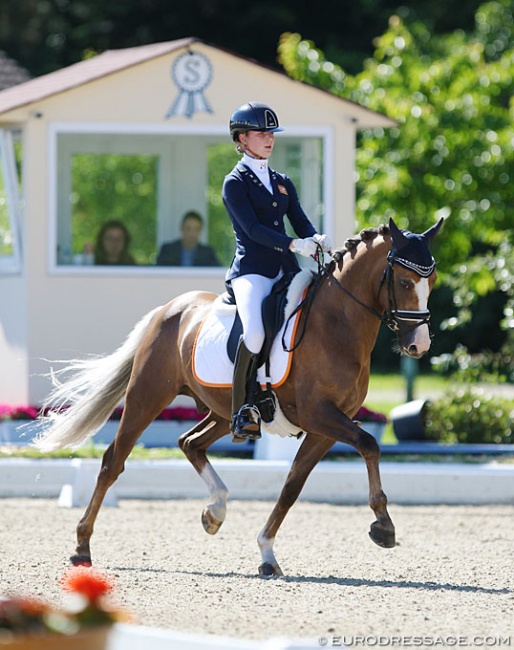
[113, 464]
[194, 444]
[82, 555]
[143, 402]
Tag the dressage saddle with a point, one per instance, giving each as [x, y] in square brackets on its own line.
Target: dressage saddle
[273, 315]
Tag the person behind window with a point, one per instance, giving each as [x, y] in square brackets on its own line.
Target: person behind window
[257, 200]
[113, 244]
[188, 251]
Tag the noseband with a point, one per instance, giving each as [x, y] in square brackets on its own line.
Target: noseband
[395, 318]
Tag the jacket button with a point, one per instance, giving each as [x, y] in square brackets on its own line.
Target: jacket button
[274, 204]
[275, 223]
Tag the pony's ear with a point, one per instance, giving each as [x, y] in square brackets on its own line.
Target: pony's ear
[399, 239]
[429, 234]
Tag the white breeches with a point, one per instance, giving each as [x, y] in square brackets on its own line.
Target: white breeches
[249, 291]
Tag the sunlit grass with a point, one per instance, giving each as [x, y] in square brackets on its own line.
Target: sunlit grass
[389, 390]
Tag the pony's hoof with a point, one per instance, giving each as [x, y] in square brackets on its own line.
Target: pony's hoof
[210, 524]
[267, 569]
[81, 560]
[381, 536]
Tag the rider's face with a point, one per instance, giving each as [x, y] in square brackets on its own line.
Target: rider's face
[258, 143]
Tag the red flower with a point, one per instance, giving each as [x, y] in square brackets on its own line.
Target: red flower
[365, 414]
[88, 582]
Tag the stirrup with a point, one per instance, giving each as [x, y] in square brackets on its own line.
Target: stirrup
[246, 424]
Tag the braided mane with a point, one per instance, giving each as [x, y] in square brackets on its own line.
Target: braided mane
[367, 234]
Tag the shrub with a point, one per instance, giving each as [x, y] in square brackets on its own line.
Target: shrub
[469, 415]
[484, 367]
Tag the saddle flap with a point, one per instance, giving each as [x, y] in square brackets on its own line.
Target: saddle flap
[273, 310]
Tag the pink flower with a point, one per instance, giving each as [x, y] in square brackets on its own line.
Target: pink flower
[8, 412]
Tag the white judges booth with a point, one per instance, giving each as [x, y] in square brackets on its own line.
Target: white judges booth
[140, 135]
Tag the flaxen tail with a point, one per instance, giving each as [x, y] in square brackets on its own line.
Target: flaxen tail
[86, 391]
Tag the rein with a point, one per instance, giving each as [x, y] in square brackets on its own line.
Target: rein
[393, 317]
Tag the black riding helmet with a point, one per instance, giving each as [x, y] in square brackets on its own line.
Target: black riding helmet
[253, 116]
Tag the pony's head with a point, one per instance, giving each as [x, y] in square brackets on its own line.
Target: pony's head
[409, 278]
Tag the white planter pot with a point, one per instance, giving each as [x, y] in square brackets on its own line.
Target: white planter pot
[273, 447]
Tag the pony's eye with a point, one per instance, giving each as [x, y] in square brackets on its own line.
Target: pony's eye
[405, 284]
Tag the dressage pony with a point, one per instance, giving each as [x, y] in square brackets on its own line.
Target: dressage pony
[383, 274]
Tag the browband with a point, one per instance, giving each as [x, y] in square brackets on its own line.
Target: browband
[422, 271]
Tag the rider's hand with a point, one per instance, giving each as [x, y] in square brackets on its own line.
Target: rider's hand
[324, 242]
[306, 247]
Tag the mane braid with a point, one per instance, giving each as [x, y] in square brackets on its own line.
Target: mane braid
[367, 234]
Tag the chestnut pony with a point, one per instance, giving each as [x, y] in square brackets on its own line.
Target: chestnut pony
[382, 275]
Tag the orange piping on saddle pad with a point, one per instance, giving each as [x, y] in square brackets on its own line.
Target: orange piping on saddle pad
[289, 359]
[290, 355]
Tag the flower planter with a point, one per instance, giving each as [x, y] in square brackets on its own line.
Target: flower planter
[159, 434]
[94, 639]
[375, 428]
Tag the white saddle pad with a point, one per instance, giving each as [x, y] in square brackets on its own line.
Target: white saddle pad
[211, 363]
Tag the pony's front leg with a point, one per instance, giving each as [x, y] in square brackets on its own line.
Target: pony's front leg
[331, 422]
[194, 443]
[311, 451]
[382, 530]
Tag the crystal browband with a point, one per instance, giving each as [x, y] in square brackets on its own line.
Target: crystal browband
[422, 271]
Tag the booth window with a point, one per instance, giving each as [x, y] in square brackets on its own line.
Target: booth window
[150, 181]
[113, 187]
[10, 208]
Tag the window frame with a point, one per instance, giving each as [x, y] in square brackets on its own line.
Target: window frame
[325, 133]
[11, 264]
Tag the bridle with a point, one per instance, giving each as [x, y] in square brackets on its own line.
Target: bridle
[395, 319]
[405, 319]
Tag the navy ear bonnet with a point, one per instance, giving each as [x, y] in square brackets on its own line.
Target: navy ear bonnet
[411, 250]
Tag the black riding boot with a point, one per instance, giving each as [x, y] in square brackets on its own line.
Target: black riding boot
[246, 419]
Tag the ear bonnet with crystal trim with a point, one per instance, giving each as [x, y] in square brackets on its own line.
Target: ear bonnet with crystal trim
[411, 250]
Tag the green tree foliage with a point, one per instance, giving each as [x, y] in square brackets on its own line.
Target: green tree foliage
[44, 35]
[452, 152]
[221, 160]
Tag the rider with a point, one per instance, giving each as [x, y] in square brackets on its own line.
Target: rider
[257, 198]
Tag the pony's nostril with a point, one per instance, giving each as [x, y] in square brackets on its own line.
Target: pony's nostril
[412, 350]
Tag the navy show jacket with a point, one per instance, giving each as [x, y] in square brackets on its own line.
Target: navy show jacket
[257, 217]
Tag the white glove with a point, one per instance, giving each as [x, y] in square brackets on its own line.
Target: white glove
[306, 247]
[324, 242]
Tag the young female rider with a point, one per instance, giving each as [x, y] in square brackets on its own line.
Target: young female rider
[257, 198]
